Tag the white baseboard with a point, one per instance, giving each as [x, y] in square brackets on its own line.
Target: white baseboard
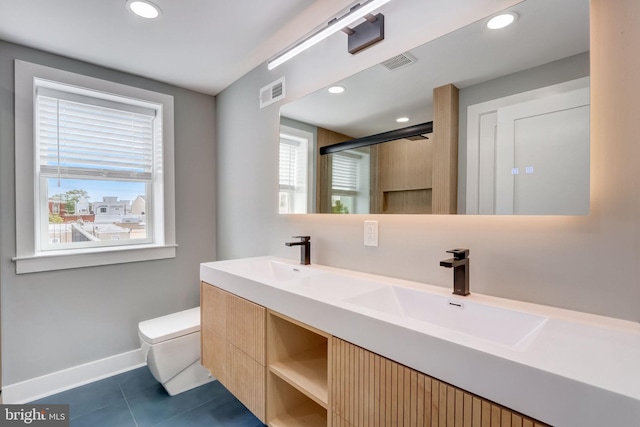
[56, 382]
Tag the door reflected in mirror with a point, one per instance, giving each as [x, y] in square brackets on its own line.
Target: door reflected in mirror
[510, 137]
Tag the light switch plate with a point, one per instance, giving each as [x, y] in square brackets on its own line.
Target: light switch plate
[371, 233]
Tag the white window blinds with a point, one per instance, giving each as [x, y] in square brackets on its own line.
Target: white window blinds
[344, 172]
[287, 164]
[292, 163]
[85, 140]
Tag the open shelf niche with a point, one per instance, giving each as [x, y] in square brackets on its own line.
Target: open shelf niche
[297, 377]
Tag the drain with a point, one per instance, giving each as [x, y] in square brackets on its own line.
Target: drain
[456, 304]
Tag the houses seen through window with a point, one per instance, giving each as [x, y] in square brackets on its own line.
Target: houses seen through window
[79, 210]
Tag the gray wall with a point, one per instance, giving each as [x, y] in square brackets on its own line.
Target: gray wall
[56, 320]
[589, 263]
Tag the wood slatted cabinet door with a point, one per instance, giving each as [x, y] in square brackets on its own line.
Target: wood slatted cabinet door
[247, 381]
[369, 390]
[233, 345]
[213, 331]
[246, 327]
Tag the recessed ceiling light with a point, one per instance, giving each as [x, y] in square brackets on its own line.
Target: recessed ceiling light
[501, 21]
[144, 9]
[402, 119]
[336, 89]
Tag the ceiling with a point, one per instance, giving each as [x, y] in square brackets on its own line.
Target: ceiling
[203, 45]
[545, 31]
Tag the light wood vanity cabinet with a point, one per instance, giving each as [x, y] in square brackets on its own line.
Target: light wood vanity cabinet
[286, 388]
[233, 345]
[370, 390]
[291, 374]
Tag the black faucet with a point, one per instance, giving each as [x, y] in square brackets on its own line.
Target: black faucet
[460, 265]
[305, 248]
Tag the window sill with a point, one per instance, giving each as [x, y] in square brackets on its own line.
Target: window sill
[63, 260]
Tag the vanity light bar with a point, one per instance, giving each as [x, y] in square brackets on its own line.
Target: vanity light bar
[359, 11]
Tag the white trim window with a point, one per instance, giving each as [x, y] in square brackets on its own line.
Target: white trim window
[294, 170]
[94, 142]
[350, 182]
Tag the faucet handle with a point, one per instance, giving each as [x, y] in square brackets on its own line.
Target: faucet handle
[459, 253]
[302, 238]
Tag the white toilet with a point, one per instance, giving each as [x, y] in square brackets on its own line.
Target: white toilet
[171, 345]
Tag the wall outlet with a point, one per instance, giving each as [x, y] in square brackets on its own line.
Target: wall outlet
[371, 233]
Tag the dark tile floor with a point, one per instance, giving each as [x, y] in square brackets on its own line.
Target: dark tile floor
[136, 399]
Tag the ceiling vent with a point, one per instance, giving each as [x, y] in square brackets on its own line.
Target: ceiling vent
[399, 61]
[273, 92]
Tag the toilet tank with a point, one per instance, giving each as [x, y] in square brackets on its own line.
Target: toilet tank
[171, 326]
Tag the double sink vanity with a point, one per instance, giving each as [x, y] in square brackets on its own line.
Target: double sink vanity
[316, 345]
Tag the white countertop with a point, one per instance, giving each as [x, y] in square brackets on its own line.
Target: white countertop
[577, 369]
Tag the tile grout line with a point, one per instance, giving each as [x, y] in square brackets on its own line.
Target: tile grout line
[99, 408]
[208, 402]
[126, 400]
[184, 412]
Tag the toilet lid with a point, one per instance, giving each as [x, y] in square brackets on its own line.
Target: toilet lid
[170, 326]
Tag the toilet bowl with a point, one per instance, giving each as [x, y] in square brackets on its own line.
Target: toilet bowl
[171, 345]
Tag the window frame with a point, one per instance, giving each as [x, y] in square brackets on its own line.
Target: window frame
[45, 93]
[28, 258]
[359, 193]
[306, 139]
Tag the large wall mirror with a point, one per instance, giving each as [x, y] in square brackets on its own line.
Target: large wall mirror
[478, 121]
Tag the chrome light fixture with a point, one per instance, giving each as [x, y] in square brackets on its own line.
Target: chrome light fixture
[359, 11]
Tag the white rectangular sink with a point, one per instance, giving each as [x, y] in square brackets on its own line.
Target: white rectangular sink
[301, 279]
[274, 272]
[487, 322]
[491, 323]
[328, 286]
